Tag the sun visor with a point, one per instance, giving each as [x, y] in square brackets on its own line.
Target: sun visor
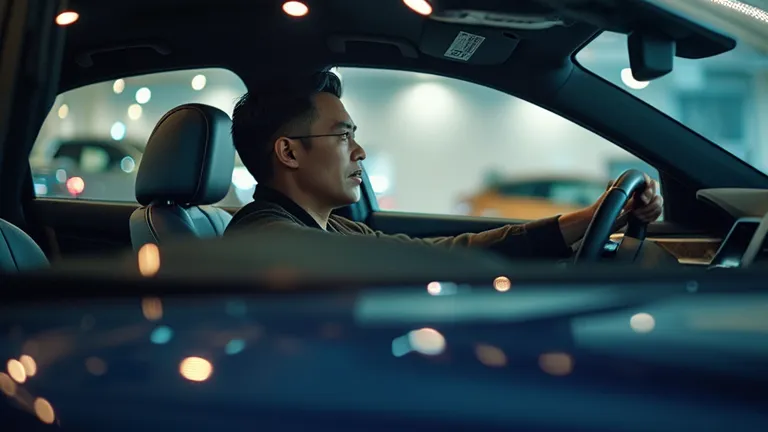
[463, 44]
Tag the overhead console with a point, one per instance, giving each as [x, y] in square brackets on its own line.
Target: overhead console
[656, 32]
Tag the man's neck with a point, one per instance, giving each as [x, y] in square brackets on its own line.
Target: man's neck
[318, 212]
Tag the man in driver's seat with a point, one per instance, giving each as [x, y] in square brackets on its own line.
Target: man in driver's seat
[298, 141]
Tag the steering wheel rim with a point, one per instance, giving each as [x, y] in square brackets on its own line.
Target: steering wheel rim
[629, 183]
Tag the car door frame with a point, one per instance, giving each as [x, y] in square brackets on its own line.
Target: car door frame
[31, 48]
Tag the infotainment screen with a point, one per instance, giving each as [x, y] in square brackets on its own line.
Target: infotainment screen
[735, 244]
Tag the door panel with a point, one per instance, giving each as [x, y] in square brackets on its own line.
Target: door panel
[421, 225]
[83, 227]
[67, 227]
[689, 246]
[425, 225]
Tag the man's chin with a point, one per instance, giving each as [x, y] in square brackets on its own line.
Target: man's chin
[353, 196]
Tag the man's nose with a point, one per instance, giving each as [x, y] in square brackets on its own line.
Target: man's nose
[359, 153]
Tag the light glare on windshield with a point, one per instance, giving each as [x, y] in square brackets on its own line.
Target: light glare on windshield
[746, 9]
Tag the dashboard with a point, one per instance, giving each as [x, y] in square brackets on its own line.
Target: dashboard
[735, 245]
[745, 244]
[744, 216]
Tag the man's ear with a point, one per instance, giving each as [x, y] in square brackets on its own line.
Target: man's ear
[285, 151]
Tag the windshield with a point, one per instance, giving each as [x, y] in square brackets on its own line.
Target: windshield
[723, 98]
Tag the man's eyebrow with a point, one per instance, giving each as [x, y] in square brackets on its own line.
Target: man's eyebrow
[345, 125]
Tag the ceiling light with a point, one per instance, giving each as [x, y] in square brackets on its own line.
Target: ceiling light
[642, 322]
[134, 111]
[556, 364]
[427, 341]
[434, 288]
[44, 411]
[127, 164]
[117, 131]
[16, 371]
[149, 261]
[234, 346]
[7, 385]
[295, 8]
[67, 18]
[502, 284]
[29, 363]
[630, 81]
[118, 86]
[75, 186]
[63, 111]
[421, 7]
[143, 95]
[196, 369]
[161, 335]
[149, 265]
[198, 82]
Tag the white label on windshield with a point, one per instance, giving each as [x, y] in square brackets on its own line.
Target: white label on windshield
[464, 46]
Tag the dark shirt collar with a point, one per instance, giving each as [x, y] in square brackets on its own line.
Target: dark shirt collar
[266, 193]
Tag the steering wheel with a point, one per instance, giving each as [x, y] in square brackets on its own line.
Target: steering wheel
[629, 183]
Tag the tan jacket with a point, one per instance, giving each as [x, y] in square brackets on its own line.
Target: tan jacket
[273, 211]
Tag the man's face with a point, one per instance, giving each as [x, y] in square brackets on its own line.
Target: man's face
[330, 168]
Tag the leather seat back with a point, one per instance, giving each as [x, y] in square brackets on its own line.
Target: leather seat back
[18, 252]
[186, 166]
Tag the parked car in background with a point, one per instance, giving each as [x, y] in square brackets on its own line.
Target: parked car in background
[534, 198]
[105, 169]
[92, 169]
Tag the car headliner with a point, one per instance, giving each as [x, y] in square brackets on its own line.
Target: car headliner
[246, 36]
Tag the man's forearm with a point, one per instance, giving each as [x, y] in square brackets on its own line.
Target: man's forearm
[574, 225]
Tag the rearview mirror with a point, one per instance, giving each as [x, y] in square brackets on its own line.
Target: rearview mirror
[651, 55]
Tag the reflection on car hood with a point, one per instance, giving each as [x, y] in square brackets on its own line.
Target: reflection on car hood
[466, 357]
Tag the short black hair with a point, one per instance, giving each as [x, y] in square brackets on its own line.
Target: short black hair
[279, 107]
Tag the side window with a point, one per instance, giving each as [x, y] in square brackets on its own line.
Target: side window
[91, 143]
[444, 146]
[532, 189]
[576, 193]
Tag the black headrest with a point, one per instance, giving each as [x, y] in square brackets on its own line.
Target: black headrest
[189, 158]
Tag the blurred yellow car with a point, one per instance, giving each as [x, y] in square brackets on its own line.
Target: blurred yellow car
[533, 198]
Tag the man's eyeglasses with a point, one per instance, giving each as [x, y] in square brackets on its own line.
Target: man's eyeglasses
[346, 134]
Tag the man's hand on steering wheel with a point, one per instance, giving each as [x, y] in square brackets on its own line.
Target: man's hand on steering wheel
[632, 200]
[632, 194]
[647, 210]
